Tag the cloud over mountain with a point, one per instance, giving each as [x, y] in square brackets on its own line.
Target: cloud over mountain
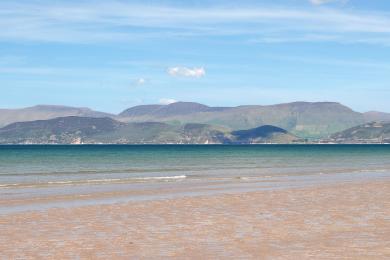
[167, 101]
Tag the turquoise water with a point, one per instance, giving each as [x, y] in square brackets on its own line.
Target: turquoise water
[42, 177]
[56, 165]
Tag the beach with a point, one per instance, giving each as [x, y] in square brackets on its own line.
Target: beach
[331, 221]
[195, 202]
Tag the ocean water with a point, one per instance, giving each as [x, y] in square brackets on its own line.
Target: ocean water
[40, 177]
[45, 165]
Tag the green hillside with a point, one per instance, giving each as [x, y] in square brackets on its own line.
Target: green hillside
[84, 130]
[304, 119]
[374, 132]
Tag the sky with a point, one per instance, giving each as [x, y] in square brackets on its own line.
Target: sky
[111, 55]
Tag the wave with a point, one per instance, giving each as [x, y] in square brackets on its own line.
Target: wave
[97, 181]
[87, 172]
[134, 170]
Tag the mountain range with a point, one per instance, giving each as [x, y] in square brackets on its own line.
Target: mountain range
[88, 130]
[305, 119]
[183, 122]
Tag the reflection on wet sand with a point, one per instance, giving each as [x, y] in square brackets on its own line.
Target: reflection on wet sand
[343, 221]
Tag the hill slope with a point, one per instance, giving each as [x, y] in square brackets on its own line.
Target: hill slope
[372, 116]
[58, 130]
[263, 134]
[375, 132]
[44, 112]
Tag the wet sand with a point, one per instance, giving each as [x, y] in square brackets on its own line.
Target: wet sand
[329, 221]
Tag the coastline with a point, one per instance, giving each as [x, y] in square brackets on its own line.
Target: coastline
[195, 144]
[333, 220]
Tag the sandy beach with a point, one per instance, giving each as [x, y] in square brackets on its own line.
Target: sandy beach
[331, 221]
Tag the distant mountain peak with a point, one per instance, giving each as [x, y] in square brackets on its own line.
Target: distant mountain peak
[185, 107]
[173, 109]
[376, 116]
[57, 108]
[44, 112]
[140, 110]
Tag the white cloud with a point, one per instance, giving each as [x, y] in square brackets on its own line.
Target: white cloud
[114, 21]
[167, 101]
[187, 72]
[321, 2]
[141, 81]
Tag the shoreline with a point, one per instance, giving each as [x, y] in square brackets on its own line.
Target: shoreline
[191, 144]
[16, 199]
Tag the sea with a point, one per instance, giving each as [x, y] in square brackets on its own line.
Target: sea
[46, 170]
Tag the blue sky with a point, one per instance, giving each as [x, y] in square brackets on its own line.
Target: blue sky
[110, 55]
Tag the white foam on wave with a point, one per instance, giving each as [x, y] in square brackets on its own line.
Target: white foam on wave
[82, 181]
[97, 181]
[163, 177]
[8, 185]
[373, 170]
[116, 180]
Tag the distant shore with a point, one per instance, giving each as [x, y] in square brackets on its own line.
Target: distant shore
[200, 144]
